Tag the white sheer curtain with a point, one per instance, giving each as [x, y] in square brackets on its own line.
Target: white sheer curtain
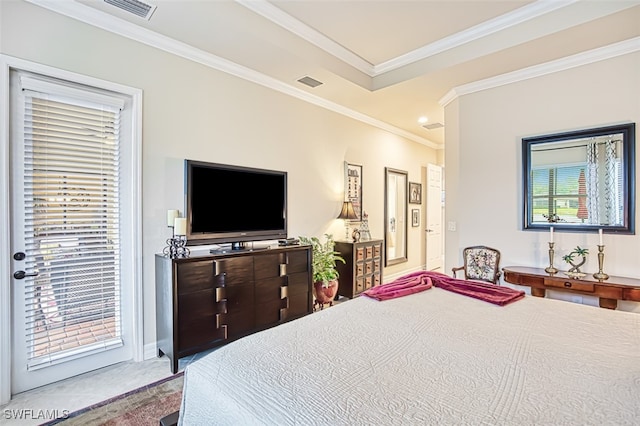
[613, 201]
[593, 199]
[603, 179]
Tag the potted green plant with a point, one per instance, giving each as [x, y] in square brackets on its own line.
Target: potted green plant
[323, 268]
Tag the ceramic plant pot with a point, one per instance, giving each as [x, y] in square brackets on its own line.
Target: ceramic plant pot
[324, 293]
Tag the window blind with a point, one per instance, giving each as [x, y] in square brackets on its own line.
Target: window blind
[72, 222]
[557, 190]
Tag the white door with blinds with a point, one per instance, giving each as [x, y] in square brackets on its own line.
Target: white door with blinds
[70, 304]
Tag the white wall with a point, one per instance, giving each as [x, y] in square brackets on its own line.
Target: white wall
[192, 111]
[483, 161]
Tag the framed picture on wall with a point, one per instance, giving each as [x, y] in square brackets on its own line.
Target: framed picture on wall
[353, 187]
[415, 193]
[415, 217]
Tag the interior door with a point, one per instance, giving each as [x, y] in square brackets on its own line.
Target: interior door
[69, 305]
[434, 241]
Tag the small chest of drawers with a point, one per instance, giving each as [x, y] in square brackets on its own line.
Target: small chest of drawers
[363, 267]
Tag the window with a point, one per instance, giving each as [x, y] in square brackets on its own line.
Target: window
[560, 190]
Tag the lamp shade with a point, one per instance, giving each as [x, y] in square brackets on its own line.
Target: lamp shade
[347, 211]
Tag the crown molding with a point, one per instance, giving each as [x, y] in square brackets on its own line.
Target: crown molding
[590, 56]
[293, 25]
[126, 29]
[302, 30]
[499, 23]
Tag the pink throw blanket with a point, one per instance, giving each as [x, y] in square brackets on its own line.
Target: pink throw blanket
[423, 280]
[484, 291]
[408, 284]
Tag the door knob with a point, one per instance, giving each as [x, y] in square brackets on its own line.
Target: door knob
[19, 275]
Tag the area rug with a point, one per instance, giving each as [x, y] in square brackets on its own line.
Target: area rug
[143, 406]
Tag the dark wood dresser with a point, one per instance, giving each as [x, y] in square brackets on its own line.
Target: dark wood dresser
[209, 300]
[363, 267]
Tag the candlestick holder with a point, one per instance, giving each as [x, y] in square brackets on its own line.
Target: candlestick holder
[600, 275]
[176, 245]
[551, 269]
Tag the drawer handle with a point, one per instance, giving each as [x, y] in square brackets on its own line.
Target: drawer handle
[224, 331]
[216, 269]
[284, 291]
[567, 284]
[219, 322]
[222, 306]
[283, 269]
[284, 303]
[220, 294]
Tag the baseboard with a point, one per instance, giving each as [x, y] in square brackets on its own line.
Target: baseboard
[150, 351]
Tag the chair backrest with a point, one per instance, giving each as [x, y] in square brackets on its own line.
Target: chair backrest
[482, 263]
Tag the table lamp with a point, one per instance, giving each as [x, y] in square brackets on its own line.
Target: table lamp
[347, 213]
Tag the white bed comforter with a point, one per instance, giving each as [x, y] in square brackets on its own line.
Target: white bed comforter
[435, 358]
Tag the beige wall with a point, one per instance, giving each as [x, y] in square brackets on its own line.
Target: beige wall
[191, 111]
[483, 161]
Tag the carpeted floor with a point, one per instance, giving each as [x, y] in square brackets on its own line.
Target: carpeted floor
[142, 406]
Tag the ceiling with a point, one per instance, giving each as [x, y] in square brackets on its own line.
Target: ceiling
[389, 62]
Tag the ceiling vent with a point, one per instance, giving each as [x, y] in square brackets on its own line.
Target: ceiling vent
[138, 8]
[310, 81]
[433, 126]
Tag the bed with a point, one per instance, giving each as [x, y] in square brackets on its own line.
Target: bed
[434, 357]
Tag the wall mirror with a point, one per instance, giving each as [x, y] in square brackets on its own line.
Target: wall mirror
[582, 180]
[395, 216]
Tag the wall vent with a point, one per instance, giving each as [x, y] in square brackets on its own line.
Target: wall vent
[310, 81]
[138, 8]
[433, 126]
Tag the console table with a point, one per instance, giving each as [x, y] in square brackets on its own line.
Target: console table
[608, 291]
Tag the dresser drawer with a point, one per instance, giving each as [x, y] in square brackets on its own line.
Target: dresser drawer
[195, 276]
[369, 252]
[631, 294]
[368, 268]
[523, 279]
[569, 284]
[368, 282]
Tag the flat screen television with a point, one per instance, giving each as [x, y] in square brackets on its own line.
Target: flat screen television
[233, 204]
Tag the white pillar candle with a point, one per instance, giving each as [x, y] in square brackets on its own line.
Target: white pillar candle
[600, 235]
[171, 216]
[551, 234]
[180, 226]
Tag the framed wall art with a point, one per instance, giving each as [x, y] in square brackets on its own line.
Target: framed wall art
[415, 193]
[353, 187]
